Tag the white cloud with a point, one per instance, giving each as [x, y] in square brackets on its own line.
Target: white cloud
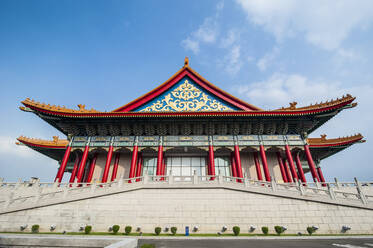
[9, 148]
[280, 89]
[264, 62]
[325, 24]
[232, 37]
[233, 60]
[206, 33]
[191, 45]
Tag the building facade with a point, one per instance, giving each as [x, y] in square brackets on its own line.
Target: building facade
[188, 126]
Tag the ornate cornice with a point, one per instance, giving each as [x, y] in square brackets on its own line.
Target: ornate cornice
[290, 111]
[323, 141]
[55, 143]
[60, 109]
[344, 99]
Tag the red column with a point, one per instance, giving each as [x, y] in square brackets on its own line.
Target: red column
[62, 168]
[82, 163]
[321, 176]
[133, 161]
[291, 163]
[282, 168]
[264, 162]
[212, 161]
[238, 162]
[163, 167]
[115, 167]
[257, 167]
[299, 167]
[233, 165]
[139, 167]
[92, 168]
[159, 160]
[311, 164]
[107, 164]
[75, 169]
[287, 170]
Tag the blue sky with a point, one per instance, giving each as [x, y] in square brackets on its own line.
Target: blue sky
[106, 53]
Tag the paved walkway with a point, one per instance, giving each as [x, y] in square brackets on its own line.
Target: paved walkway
[333, 242]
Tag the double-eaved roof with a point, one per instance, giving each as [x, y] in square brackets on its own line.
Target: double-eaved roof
[186, 96]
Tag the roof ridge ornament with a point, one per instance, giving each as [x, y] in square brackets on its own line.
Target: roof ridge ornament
[186, 62]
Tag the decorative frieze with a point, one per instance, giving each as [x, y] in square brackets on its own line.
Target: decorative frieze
[191, 140]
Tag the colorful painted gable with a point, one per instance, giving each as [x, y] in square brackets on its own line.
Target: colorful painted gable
[186, 96]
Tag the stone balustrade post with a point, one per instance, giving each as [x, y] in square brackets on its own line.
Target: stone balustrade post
[75, 184]
[220, 179]
[273, 184]
[170, 179]
[65, 191]
[331, 192]
[301, 187]
[337, 183]
[19, 183]
[245, 180]
[145, 179]
[93, 186]
[195, 177]
[318, 185]
[119, 182]
[36, 183]
[55, 185]
[360, 191]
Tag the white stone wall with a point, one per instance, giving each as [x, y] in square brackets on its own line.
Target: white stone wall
[208, 208]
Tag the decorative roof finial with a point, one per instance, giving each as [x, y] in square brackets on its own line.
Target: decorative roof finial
[186, 62]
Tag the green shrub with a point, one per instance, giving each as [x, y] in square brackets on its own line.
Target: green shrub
[173, 230]
[35, 228]
[279, 229]
[148, 246]
[157, 230]
[116, 229]
[310, 230]
[236, 230]
[265, 230]
[87, 229]
[127, 230]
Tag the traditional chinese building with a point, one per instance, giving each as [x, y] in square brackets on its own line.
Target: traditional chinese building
[188, 125]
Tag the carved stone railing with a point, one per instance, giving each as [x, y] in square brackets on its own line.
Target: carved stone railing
[23, 195]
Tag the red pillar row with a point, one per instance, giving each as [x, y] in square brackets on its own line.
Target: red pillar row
[311, 164]
[321, 176]
[211, 161]
[291, 163]
[233, 165]
[287, 171]
[282, 168]
[82, 163]
[265, 164]
[159, 160]
[75, 169]
[133, 161]
[62, 168]
[139, 166]
[299, 167]
[238, 162]
[115, 167]
[257, 167]
[107, 164]
[92, 168]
